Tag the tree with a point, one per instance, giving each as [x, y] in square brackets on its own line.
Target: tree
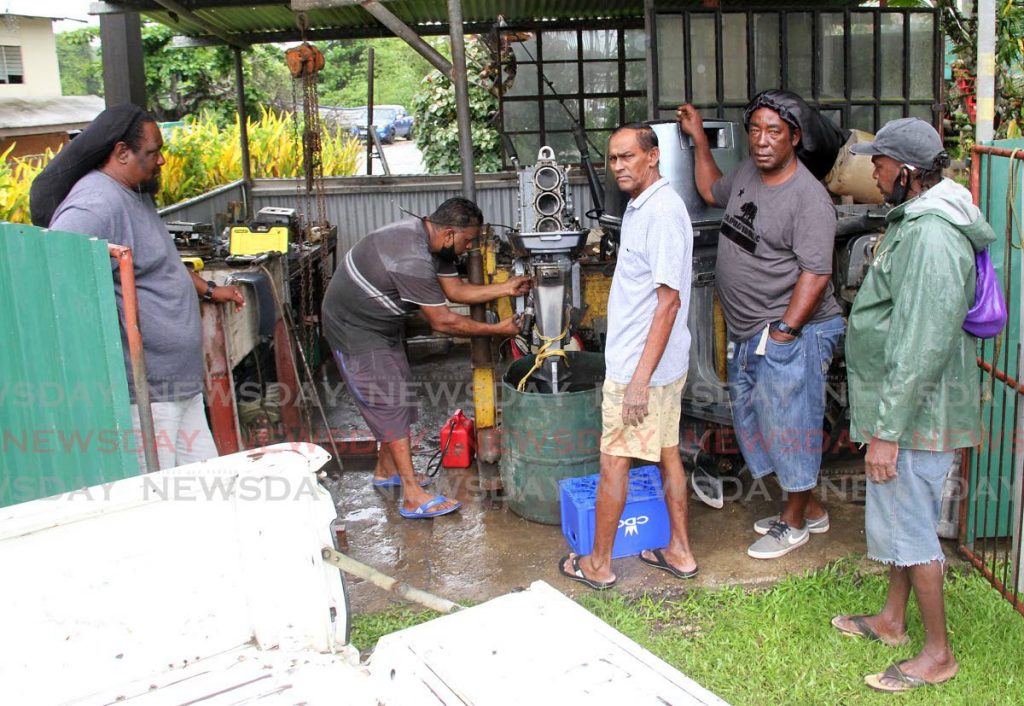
[182, 82]
[81, 73]
[397, 71]
[962, 31]
[437, 133]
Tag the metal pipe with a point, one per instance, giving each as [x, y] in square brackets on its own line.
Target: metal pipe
[480, 346]
[243, 131]
[998, 374]
[985, 81]
[460, 80]
[370, 129]
[976, 176]
[130, 304]
[651, 53]
[402, 30]
[388, 583]
[976, 152]
[1005, 592]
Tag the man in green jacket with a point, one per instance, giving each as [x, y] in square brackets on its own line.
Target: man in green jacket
[914, 390]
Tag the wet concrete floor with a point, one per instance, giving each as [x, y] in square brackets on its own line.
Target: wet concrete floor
[486, 550]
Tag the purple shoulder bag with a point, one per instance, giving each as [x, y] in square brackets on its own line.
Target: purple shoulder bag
[988, 315]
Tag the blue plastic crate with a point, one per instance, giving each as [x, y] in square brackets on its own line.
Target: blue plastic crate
[644, 523]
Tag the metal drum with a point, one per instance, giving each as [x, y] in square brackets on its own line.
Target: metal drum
[547, 437]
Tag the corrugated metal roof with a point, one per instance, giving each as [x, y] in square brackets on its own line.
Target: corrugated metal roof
[265, 20]
[19, 116]
[30, 8]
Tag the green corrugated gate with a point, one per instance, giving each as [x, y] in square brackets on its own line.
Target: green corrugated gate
[991, 510]
[64, 412]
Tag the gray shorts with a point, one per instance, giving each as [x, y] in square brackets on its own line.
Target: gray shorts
[901, 519]
[379, 383]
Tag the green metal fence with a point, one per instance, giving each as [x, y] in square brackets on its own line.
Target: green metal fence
[993, 505]
[65, 420]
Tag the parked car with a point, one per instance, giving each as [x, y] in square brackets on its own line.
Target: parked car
[383, 123]
[403, 121]
[339, 118]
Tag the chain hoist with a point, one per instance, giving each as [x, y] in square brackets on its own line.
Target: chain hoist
[305, 62]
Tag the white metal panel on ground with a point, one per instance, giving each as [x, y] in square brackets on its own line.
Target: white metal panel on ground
[534, 647]
[152, 573]
[248, 675]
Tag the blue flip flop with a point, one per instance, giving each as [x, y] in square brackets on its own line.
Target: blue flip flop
[424, 510]
[395, 481]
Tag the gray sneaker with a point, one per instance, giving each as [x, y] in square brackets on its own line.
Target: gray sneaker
[780, 540]
[818, 526]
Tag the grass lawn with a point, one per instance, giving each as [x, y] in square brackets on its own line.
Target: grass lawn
[775, 646]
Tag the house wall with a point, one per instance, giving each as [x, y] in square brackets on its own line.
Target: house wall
[38, 55]
[27, 145]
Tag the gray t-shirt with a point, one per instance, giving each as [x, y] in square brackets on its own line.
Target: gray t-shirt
[655, 248]
[381, 280]
[770, 234]
[172, 340]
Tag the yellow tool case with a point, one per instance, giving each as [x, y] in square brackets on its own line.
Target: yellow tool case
[258, 238]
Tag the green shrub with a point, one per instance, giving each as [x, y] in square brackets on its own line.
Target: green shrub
[202, 156]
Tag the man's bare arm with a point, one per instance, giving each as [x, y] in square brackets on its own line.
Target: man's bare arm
[634, 401]
[705, 168]
[455, 290]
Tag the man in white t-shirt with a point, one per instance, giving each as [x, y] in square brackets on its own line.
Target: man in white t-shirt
[646, 357]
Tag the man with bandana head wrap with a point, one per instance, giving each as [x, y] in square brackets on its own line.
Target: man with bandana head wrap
[102, 184]
[384, 278]
[773, 276]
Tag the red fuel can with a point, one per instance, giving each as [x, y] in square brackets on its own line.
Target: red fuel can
[461, 431]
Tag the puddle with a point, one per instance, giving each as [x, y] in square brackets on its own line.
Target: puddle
[365, 513]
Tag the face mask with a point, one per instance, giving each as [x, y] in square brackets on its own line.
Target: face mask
[447, 254]
[900, 187]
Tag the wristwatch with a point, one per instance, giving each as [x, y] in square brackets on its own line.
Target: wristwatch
[782, 327]
[208, 294]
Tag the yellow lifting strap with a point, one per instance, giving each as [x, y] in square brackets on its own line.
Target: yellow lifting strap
[544, 353]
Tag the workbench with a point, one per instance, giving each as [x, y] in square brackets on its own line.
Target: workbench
[229, 335]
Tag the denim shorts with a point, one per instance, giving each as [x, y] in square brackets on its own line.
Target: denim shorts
[778, 403]
[901, 519]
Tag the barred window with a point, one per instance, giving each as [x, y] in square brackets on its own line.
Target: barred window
[10, 65]
[595, 75]
[861, 67]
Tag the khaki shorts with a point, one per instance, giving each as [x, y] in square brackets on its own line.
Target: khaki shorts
[659, 430]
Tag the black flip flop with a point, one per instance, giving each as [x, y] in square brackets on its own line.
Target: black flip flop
[863, 629]
[578, 574]
[903, 681]
[663, 564]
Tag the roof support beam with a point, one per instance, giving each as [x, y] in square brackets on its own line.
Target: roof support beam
[124, 77]
[389, 20]
[243, 131]
[460, 79]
